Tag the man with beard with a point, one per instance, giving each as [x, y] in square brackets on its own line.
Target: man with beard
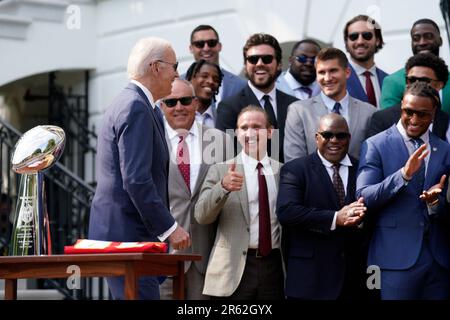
[262, 58]
[303, 116]
[300, 79]
[363, 38]
[425, 37]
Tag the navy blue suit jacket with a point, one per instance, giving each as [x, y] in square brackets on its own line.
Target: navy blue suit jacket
[131, 199]
[400, 217]
[354, 87]
[317, 258]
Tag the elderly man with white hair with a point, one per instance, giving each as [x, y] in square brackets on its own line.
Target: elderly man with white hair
[131, 200]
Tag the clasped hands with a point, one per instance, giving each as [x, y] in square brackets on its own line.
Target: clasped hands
[352, 214]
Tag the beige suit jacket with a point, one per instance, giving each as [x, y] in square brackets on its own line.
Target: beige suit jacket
[228, 255]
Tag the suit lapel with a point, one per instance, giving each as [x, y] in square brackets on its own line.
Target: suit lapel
[243, 197]
[203, 166]
[353, 115]
[354, 86]
[250, 97]
[435, 161]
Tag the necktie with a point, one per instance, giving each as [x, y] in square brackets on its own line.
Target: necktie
[336, 108]
[183, 160]
[265, 237]
[269, 109]
[370, 91]
[307, 90]
[338, 185]
[420, 175]
[159, 116]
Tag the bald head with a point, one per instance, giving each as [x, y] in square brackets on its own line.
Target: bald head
[332, 119]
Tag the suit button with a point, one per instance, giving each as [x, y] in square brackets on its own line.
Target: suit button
[343, 255]
[217, 200]
[421, 224]
[244, 253]
[248, 229]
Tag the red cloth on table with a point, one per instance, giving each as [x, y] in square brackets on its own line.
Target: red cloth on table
[94, 246]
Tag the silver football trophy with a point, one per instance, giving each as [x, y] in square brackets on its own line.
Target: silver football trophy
[37, 150]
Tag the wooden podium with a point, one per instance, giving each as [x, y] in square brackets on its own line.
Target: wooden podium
[129, 265]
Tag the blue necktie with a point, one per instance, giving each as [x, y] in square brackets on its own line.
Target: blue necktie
[307, 90]
[336, 108]
[420, 175]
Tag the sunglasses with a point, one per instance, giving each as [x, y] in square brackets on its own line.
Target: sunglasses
[412, 79]
[367, 35]
[420, 114]
[174, 65]
[304, 59]
[266, 58]
[328, 135]
[201, 43]
[172, 102]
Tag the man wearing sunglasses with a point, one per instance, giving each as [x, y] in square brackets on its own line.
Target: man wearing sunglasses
[300, 79]
[425, 67]
[262, 59]
[131, 201]
[324, 246]
[193, 148]
[205, 45]
[410, 238]
[363, 39]
[303, 116]
[425, 37]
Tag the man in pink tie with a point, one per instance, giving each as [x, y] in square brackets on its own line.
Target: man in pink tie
[363, 38]
[240, 197]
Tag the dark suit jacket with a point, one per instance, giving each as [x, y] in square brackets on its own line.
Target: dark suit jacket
[383, 119]
[356, 90]
[131, 200]
[317, 258]
[229, 109]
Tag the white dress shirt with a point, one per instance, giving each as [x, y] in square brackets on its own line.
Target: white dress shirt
[374, 77]
[195, 152]
[251, 181]
[329, 103]
[148, 94]
[206, 118]
[259, 95]
[343, 172]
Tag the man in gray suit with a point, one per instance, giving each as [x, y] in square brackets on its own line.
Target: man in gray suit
[193, 148]
[240, 196]
[303, 116]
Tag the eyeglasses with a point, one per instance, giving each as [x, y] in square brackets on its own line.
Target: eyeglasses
[412, 79]
[172, 102]
[420, 114]
[304, 59]
[367, 35]
[328, 135]
[201, 43]
[174, 65]
[266, 58]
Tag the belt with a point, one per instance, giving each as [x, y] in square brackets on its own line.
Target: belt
[255, 253]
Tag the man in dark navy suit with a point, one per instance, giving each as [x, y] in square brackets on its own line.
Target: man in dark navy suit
[131, 200]
[320, 215]
[363, 39]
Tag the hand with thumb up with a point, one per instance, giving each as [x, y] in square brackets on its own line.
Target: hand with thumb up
[233, 180]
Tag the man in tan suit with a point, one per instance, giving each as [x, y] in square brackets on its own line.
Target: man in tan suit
[240, 196]
[193, 148]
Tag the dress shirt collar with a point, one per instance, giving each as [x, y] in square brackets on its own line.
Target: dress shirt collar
[360, 70]
[259, 94]
[207, 112]
[344, 162]
[252, 162]
[425, 137]
[292, 82]
[147, 92]
[172, 134]
[329, 103]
